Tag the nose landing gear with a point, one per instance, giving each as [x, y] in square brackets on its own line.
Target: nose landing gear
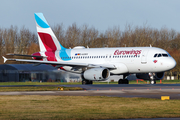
[152, 75]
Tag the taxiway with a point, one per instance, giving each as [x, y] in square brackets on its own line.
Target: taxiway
[114, 90]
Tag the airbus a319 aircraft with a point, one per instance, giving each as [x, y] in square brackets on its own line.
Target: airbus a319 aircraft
[97, 64]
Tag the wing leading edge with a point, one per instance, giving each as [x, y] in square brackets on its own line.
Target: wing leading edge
[72, 64]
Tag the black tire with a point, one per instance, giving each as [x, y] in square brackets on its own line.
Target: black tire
[91, 82]
[126, 81]
[84, 82]
[120, 81]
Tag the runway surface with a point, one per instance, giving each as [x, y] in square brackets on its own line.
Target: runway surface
[123, 90]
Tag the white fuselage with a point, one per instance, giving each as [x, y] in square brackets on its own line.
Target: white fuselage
[125, 59]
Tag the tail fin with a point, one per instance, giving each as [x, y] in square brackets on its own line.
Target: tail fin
[46, 37]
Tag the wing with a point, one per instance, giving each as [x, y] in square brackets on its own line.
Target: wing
[73, 64]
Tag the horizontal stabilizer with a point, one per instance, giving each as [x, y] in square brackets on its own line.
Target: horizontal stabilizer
[27, 55]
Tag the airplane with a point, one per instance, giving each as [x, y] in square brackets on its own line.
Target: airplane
[97, 64]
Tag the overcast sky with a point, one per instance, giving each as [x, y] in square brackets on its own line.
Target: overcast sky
[101, 14]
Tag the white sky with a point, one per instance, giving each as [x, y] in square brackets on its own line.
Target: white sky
[101, 14]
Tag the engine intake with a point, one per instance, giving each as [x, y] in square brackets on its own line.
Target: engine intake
[96, 74]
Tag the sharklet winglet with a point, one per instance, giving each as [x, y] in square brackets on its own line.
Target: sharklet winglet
[5, 59]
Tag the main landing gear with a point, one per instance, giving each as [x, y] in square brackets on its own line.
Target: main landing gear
[85, 82]
[124, 80]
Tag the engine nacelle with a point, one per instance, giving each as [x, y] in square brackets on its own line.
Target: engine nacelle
[96, 74]
[146, 76]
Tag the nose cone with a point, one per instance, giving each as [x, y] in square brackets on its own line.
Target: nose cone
[171, 64]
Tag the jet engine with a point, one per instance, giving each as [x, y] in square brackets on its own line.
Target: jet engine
[146, 76]
[96, 74]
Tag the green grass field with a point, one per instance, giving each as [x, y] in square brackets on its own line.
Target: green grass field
[85, 107]
[39, 88]
[81, 107]
[71, 83]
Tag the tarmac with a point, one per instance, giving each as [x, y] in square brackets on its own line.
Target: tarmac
[111, 90]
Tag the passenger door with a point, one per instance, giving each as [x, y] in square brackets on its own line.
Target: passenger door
[144, 57]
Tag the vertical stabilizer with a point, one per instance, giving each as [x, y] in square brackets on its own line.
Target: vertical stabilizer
[46, 37]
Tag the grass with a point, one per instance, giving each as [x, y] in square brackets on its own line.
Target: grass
[85, 107]
[39, 88]
[79, 83]
[157, 82]
[38, 83]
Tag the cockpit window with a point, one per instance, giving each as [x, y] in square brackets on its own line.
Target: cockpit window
[165, 55]
[162, 55]
[159, 55]
[155, 55]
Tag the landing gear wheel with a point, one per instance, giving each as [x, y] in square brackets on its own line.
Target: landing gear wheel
[85, 82]
[126, 81]
[123, 81]
[91, 82]
[152, 75]
[120, 81]
[153, 81]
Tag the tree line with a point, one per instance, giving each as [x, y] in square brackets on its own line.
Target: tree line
[24, 41]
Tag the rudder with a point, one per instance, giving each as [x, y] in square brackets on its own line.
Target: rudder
[46, 37]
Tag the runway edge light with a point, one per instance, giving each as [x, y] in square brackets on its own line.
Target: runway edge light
[165, 97]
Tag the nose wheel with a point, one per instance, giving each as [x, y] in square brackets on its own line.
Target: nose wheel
[153, 81]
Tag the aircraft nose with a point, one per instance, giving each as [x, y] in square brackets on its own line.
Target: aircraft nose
[171, 63]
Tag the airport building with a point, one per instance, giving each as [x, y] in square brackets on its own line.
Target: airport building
[39, 73]
[47, 73]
